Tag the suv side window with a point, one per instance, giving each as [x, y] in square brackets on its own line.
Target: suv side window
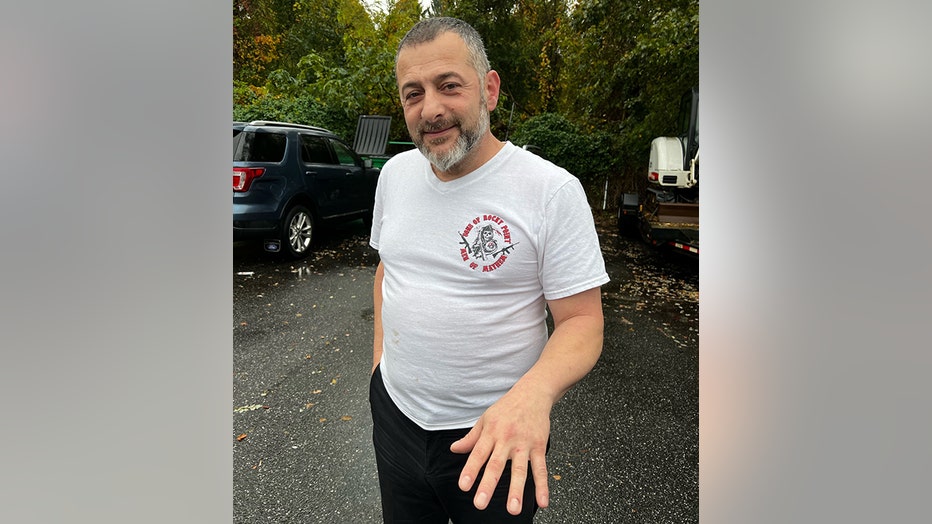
[344, 154]
[314, 150]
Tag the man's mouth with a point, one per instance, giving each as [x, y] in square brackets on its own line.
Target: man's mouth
[436, 131]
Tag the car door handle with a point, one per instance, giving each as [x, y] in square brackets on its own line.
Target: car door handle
[310, 173]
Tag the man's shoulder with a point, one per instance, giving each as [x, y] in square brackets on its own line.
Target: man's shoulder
[529, 164]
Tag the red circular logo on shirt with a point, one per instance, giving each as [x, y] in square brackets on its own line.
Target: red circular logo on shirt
[485, 243]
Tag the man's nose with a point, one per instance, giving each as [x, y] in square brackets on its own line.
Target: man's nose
[432, 108]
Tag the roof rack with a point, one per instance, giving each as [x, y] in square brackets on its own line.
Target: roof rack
[286, 124]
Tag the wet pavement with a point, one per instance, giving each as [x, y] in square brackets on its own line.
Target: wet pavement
[625, 440]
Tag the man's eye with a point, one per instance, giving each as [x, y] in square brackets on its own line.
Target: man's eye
[449, 87]
[412, 95]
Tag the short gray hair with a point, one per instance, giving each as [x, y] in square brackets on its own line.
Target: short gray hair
[429, 29]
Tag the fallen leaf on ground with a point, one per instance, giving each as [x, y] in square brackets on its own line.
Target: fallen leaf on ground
[345, 418]
[252, 407]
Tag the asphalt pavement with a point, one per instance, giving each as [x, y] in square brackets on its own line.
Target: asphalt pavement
[624, 443]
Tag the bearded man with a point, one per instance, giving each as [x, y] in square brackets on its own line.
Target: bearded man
[464, 372]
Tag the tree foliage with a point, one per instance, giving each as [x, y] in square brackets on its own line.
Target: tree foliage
[589, 81]
[587, 154]
[628, 65]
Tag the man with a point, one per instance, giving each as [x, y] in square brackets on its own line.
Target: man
[464, 374]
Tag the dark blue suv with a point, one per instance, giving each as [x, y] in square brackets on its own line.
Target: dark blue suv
[289, 178]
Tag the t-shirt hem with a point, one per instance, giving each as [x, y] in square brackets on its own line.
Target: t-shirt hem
[426, 426]
[443, 427]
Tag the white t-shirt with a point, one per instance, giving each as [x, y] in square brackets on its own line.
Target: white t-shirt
[468, 265]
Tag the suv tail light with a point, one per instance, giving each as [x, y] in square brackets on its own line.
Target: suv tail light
[243, 177]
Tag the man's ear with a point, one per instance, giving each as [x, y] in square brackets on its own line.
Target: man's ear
[493, 84]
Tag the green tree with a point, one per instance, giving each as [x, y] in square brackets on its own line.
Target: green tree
[626, 64]
[271, 36]
[255, 42]
[541, 22]
[313, 26]
[365, 82]
[587, 155]
[325, 70]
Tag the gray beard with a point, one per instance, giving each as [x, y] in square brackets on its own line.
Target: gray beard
[464, 144]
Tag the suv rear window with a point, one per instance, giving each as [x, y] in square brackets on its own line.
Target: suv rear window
[250, 146]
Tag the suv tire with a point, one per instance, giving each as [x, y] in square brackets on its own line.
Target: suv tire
[297, 232]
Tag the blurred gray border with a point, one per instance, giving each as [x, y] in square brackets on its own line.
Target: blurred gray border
[815, 283]
[115, 262]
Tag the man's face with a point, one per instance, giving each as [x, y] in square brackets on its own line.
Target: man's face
[445, 102]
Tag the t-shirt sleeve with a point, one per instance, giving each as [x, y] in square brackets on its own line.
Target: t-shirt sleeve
[570, 257]
[377, 209]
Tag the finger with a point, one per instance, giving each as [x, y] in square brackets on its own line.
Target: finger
[468, 442]
[480, 453]
[519, 466]
[539, 472]
[493, 473]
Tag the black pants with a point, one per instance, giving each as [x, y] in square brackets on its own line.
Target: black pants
[418, 474]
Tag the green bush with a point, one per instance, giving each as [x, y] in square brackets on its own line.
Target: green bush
[587, 155]
[249, 106]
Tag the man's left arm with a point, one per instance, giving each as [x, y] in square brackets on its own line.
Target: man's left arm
[517, 427]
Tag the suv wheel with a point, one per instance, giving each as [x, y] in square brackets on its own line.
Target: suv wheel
[298, 232]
